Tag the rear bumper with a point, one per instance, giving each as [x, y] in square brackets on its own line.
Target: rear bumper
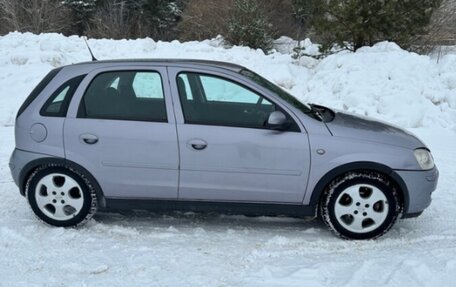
[15, 166]
[420, 186]
[18, 161]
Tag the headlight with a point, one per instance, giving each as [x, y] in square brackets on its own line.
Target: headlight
[424, 158]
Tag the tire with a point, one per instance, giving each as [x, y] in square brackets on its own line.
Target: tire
[61, 196]
[360, 205]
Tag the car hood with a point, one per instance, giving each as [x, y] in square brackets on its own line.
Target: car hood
[368, 129]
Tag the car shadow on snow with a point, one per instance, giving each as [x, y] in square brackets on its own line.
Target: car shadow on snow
[144, 220]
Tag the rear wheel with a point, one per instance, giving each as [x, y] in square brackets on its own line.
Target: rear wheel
[360, 206]
[61, 196]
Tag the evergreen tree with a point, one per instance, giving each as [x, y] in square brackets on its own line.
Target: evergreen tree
[356, 23]
[248, 26]
[159, 15]
[81, 12]
[308, 10]
[133, 18]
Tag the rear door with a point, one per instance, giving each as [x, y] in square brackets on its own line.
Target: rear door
[121, 128]
[226, 151]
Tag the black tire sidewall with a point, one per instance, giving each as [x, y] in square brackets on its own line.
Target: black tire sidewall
[87, 194]
[387, 223]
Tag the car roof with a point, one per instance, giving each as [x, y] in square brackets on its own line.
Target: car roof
[176, 62]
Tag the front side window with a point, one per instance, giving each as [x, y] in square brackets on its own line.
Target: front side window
[281, 93]
[220, 90]
[213, 100]
[125, 95]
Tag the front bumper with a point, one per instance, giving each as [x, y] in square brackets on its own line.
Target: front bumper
[420, 186]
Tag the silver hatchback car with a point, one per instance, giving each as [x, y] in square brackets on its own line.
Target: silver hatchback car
[209, 136]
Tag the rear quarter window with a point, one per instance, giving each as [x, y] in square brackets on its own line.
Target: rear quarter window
[58, 102]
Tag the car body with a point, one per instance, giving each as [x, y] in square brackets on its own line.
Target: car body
[205, 135]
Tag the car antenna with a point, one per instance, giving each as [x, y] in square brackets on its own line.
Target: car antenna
[88, 47]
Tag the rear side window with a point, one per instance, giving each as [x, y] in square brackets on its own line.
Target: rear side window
[58, 102]
[147, 85]
[37, 90]
[125, 95]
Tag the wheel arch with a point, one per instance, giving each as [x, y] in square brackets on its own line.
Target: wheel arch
[30, 167]
[360, 166]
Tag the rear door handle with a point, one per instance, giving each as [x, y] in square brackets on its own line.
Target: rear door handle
[89, 138]
[197, 144]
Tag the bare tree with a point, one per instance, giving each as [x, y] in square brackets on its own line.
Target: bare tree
[36, 16]
[441, 31]
[203, 19]
[113, 20]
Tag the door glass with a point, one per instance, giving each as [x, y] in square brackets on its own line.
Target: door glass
[58, 102]
[219, 101]
[115, 83]
[125, 95]
[217, 89]
[147, 85]
[184, 86]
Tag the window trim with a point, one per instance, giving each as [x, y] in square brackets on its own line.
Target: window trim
[81, 112]
[73, 84]
[294, 126]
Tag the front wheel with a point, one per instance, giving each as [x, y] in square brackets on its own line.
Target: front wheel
[360, 205]
[61, 196]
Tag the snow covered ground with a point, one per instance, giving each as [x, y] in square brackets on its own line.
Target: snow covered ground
[133, 248]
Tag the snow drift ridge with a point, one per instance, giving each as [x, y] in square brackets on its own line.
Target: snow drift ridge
[383, 81]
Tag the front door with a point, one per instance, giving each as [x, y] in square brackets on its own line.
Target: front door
[121, 129]
[227, 152]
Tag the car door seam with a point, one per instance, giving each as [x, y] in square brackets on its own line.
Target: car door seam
[173, 107]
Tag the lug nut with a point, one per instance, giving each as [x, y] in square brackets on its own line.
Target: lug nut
[367, 205]
[62, 193]
[63, 201]
[356, 212]
[54, 201]
[364, 213]
[358, 204]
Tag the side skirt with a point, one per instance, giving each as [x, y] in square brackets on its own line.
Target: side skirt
[232, 208]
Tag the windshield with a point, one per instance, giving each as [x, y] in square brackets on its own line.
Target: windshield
[280, 92]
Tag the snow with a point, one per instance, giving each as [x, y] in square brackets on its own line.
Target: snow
[187, 249]
[382, 81]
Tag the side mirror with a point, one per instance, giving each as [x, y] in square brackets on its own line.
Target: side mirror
[277, 121]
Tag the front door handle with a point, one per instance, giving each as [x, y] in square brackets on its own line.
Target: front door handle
[89, 138]
[197, 144]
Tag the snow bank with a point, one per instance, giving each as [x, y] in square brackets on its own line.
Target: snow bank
[383, 81]
[387, 82]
